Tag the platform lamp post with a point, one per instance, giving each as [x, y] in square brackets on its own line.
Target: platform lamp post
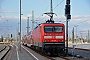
[76, 32]
[73, 35]
[88, 37]
[18, 35]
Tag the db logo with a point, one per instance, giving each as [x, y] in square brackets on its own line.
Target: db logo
[53, 36]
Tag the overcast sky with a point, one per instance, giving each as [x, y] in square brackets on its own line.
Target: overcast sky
[9, 14]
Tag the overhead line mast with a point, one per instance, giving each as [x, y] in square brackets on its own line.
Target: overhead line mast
[27, 25]
[32, 20]
[51, 11]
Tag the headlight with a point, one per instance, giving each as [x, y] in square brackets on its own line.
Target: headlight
[59, 37]
[47, 37]
[45, 41]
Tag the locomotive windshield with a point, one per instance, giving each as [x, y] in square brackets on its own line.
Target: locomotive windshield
[53, 29]
[57, 29]
[48, 29]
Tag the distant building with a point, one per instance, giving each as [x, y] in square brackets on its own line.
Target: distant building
[1, 38]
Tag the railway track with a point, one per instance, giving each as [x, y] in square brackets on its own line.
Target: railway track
[2, 48]
[41, 56]
[48, 57]
[61, 57]
[4, 51]
[79, 52]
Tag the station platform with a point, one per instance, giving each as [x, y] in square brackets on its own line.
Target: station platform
[80, 45]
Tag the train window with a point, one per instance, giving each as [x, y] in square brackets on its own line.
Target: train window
[48, 29]
[57, 29]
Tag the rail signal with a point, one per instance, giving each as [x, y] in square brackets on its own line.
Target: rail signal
[11, 35]
[67, 9]
[68, 17]
[67, 1]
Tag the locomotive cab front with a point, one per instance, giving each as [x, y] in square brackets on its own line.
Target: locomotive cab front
[54, 39]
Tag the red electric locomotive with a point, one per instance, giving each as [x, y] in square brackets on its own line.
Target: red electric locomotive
[50, 38]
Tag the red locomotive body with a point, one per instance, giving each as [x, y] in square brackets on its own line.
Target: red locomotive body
[50, 38]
